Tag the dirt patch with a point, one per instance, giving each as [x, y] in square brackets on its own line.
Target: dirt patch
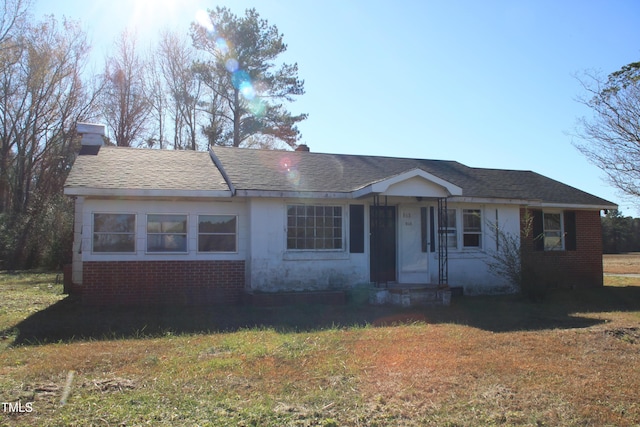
[400, 319]
[113, 384]
[629, 335]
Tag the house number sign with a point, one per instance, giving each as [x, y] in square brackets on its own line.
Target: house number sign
[406, 216]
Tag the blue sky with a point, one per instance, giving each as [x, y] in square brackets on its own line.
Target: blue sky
[487, 83]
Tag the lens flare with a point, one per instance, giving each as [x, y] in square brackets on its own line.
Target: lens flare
[246, 89]
[232, 65]
[257, 107]
[294, 177]
[286, 164]
[240, 77]
[289, 167]
[222, 46]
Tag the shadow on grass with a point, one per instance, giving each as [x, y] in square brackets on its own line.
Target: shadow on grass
[68, 320]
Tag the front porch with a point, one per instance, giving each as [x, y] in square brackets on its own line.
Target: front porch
[411, 294]
[409, 251]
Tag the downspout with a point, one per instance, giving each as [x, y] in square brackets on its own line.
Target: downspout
[223, 172]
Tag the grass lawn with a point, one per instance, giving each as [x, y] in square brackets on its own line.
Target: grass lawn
[571, 360]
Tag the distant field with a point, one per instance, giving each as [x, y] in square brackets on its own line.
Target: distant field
[622, 263]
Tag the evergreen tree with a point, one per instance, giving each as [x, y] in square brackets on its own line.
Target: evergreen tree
[247, 88]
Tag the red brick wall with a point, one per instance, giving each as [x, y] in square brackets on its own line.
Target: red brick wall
[162, 282]
[581, 268]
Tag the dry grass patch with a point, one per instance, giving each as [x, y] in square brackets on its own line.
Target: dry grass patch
[621, 263]
[461, 376]
[570, 361]
[25, 293]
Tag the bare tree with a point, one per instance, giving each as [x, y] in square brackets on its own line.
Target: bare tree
[175, 59]
[42, 97]
[610, 138]
[14, 13]
[158, 102]
[125, 99]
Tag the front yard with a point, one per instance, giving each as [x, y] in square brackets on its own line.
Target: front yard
[570, 360]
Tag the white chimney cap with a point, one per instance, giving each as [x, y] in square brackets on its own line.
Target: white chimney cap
[91, 133]
[85, 128]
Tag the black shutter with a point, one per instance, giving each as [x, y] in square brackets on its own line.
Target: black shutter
[423, 228]
[538, 230]
[570, 230]
[432, 229]
[356, 229]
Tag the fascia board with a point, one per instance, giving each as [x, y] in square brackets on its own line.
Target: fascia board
[136, 192]
[292, 194]
[529, 203]
[489, 200]
[577, 206]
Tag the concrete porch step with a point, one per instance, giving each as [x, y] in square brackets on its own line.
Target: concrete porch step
[408, 295]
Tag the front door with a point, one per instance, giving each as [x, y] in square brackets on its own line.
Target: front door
[412, 245]
[383, 244]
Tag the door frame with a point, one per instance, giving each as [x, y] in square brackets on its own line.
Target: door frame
[383, 243]
[414, 241]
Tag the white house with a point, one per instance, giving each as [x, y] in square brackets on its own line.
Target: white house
[160, 226]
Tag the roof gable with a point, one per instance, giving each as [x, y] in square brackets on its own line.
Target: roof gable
[413, 183]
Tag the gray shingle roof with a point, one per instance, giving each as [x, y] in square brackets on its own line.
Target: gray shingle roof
[317, 172]
[118, 168]
[140, 170]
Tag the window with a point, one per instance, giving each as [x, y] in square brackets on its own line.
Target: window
[114, 232]
[314, 227]
[552, 223]
[166, 233]
[217, 233]
[451, 229]
[472, 228]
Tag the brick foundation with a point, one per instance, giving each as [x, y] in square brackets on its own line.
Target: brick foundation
[162, 282]
[579, 268]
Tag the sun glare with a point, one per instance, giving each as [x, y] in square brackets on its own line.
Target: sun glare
[149, 17]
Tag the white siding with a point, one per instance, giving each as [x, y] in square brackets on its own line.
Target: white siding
[468, 266]
[271, 267]
[274, 268]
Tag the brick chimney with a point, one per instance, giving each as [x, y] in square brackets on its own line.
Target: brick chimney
[92, 137]
[302, 147]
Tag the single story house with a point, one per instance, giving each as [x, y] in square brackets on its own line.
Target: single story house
[163, 226]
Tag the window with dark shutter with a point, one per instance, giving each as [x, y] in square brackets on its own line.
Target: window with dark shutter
[356, 229]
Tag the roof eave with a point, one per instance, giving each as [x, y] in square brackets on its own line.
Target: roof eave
[293, 194]
[144, 193]
[578, 206]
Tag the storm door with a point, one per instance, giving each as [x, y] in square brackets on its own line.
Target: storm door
[383, 244]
